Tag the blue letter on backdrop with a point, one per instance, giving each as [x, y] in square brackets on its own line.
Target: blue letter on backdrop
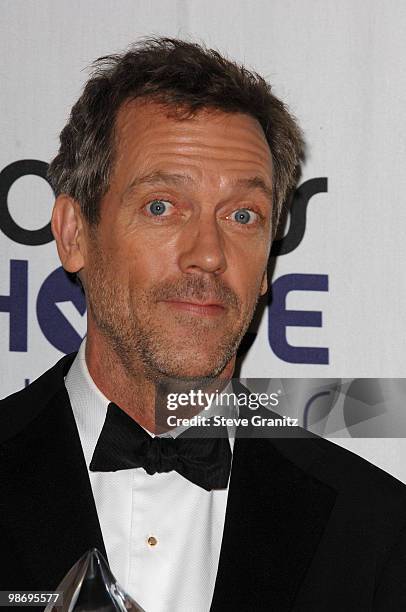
[56, 328]
[16, 304]
[280, 318]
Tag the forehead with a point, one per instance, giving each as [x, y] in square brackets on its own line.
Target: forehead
[149, 136]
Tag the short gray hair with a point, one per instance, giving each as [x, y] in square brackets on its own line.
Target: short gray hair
[183, 75]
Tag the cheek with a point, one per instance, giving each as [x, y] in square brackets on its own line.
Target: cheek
[248, 271]
[148, 263]
[152, 257]
[133, 257]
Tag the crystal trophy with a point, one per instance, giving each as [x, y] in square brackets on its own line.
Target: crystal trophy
[89, 586]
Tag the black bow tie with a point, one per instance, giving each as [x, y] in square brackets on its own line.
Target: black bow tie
[123, 444]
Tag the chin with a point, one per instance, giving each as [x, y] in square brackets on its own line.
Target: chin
[194, 366]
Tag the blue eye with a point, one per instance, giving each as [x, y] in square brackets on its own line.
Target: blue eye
[158, 207]
[244, 216]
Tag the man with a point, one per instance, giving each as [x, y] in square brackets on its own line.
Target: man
[170, 181]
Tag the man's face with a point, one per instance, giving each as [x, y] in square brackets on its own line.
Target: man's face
[177, 263]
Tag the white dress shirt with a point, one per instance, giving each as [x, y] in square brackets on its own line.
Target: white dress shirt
[162, 533]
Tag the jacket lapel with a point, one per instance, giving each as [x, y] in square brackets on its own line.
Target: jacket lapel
[276, 510]
[276, 515]
[51, 487]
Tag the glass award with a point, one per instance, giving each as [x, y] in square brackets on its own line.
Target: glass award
[89, 586]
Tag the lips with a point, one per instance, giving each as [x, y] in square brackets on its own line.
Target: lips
[206, 308]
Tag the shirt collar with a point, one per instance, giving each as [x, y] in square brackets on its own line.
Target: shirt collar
[89, 406]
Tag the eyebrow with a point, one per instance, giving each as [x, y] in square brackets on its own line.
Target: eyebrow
[157, 177]
[255, 182]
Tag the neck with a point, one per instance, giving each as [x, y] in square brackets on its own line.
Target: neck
[134, 392]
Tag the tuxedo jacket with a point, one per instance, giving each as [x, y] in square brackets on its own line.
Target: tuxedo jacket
[309, 526]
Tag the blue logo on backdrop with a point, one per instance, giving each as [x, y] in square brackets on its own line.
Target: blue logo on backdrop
[280, 318]
[57, 288]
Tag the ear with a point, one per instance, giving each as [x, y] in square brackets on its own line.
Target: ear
[264, 283]
[68, 230]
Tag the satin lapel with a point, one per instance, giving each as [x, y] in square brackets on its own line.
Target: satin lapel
[50, 517]
[276, 514]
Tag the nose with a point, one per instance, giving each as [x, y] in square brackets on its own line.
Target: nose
[202, 248]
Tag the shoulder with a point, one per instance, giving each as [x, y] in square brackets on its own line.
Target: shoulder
[341, 470]
[20, 408]
[356, 480]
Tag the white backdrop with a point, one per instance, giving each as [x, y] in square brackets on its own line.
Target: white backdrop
[339, 66]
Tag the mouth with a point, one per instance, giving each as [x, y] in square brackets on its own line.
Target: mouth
[209, 308]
